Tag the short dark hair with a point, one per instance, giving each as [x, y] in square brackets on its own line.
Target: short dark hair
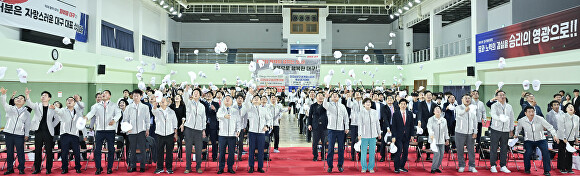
[138, 91]
[552, 103]
[576, 90]
[107, 91]
[555, 95]
[366, 99]
[97, 94]
[497, 93]
[475, 91]
[562, 91]
[404, 100]
[126, 91]
[210, 92]
[196, 89]
[47, 93]
[123, 100]
[426, 92]
[319, 93]
[467, 94]
[240, 96]
[528, 107]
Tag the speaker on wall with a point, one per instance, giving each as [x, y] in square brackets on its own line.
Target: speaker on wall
[101, 69]
[471, 71]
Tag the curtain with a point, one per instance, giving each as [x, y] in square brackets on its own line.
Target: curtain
[108, 36]
[151, 47]
[124, 40]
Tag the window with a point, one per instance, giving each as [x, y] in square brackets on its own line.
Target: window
[304, 21]
[116, 37]
[151, 47]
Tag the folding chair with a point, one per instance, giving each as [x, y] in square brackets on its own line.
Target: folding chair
[451, 152]
[517, 153]
[422, 140]
[55, 149]
[89, 151]
[119, 152]
[3, 150]
[484, 149]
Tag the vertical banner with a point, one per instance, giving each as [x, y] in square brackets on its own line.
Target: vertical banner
[49, 16]
[299, 71]
[547, 34]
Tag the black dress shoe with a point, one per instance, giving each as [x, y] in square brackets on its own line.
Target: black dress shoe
[21, 172]
[438, 171]
[64, 171]
[79, 171]
[231, 171]
[315, 159]
[433, 171]
[403, 170]
[527, 172]
[36, 172]
[214, 160]
[546, 173]
[251, 170]
[221, 171]
[428, 159]
[48, 171]
[340, 169]
[169, 171]
[109, 171]
[329, 170]
[397, 171]
[98, 172]
[9, 172]
[382, 160]
[131, 170]
[142, 170]
[260, 170]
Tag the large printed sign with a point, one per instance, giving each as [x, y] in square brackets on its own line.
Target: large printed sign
[551, 33]
[299, 71]
[48, 16]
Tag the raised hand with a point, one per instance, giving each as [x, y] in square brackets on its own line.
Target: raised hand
[3, 91]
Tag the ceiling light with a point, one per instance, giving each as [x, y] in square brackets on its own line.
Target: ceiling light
[179, 15]
[363, 18]
[165, 6]
[171, 9]
[406, 8]
[204, 19]
[417, 1]
[254, 19]
[392, 16]
[400, 11]
[396, 14]
[162, 2]
[410, 4]
[154, 0]
[174, 13]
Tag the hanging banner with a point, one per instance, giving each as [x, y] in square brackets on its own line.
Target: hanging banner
[49, 16]
[547, 34]
[300, 71]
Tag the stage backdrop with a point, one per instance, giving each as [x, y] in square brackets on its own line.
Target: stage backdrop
[297, 72]
[49, 16]
[551, 33]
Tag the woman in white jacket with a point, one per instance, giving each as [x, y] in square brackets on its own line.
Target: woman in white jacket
[568, 133]
[369, 129]
[438, 135]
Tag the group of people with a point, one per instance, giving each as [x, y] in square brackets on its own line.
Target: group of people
[327, 115]
[167, 115]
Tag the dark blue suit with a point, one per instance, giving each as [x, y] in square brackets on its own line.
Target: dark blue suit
[212, 126]
[402, 132]
[318, 119]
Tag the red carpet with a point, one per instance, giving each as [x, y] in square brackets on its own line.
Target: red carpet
[298, 161]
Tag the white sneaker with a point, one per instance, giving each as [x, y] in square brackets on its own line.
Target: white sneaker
[363, 171]
[493, 169]
[505, 170]
[276, 151]
[461, 169]
[472, 169]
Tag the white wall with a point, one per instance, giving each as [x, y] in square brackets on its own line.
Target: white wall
[236, 35]
[357, 36]
[118, 12]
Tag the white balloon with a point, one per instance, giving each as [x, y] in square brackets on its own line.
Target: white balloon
[366, 58]
[337, 54]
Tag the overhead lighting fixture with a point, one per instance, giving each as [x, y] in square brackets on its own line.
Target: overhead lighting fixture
[410, 4]
[154, 0]
[400, 11]
[363, 18]
[204, 19]
[174, 13]
[254, 19]
[392, 16]
[179, 15]
[162, 2]
[406, 8]
[171, 9]
[417, 1]
[165, 6]
[396, 14]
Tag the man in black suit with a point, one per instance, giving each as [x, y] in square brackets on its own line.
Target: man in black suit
[389, 109]
[211, 108]
[576, 101]
[317, 122]
[403, 130]
[425, 112]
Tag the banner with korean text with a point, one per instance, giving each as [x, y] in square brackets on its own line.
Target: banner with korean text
[49, 16]
[547, 34]
[299, 71]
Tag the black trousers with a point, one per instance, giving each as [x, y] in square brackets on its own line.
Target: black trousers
[276, 135]
[426, 144]
[70, 142]
[180, 138]
[230, 143]
[213, 137]
[319, 135]
[243, 132]
[293, 106]
[137, 141]
[43, 138]
[14, 141]
[165, 146]
[564, 157]
[100, 137]
[83, 145]
[301, 123]
[353, 139]
[479, 126]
